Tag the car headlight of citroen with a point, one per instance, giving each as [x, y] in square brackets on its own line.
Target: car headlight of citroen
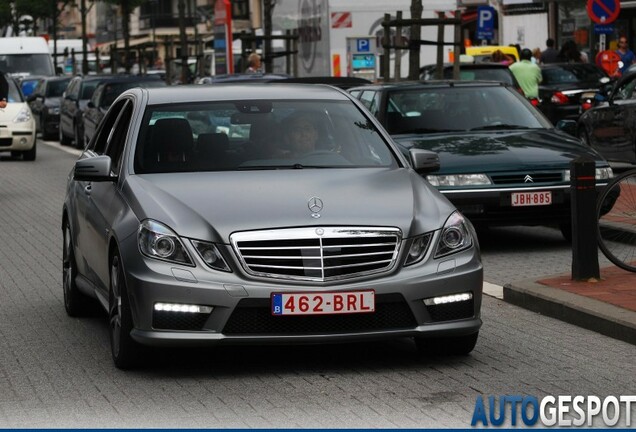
[459, 180]
[210, 254]
[158, 241]
[604, 173]
[23, 116]
[418, 249]
[455, 236]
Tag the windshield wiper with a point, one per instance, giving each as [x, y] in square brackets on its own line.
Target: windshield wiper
[426, 130]
[278, 167]
[500, 126]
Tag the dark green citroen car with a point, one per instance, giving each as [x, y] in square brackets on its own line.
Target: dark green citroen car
[502, 161]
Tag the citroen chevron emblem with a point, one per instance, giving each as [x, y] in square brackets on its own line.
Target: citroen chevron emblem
[528, 179]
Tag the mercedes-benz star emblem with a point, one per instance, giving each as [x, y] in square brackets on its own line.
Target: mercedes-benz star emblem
[315, 204]
[528, 179]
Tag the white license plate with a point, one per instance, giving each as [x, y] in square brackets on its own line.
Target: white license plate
[323, 303]
[521, 199]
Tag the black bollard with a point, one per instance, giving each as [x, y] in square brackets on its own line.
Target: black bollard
[584, 222]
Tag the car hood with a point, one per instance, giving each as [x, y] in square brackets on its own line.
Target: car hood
[11, 111]
[501, 151]
[212, 205]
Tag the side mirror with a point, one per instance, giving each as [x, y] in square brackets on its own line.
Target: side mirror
[567, 126]
[90, 104]
[424, 161]
[95, 169]
[32, 98]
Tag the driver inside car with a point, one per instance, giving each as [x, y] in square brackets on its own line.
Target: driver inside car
[300, 135]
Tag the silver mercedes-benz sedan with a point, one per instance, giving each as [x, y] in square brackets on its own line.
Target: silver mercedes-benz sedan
[265, 213]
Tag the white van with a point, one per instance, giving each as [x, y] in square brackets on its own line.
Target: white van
[23, 56]
[65, 63]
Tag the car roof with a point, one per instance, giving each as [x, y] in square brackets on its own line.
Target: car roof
[121, 80]
[254, 91]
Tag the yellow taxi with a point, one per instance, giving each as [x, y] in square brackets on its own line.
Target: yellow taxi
[482, 53]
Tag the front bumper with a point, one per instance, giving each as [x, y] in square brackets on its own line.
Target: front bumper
[18, 137]
[493, 206]
[241, 309]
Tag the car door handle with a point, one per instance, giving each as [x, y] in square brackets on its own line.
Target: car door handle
[88, 188]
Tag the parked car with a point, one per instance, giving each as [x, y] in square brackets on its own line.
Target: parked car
[28, 84]
[563, 85]
[610, 126]
[17, 127]
[241, 77]
[45, 105]
[485, 71]
[200, 238]
[74, 101]
[104, 95]
[501, 161]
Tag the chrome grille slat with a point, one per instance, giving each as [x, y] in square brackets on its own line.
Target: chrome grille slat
[317, 253]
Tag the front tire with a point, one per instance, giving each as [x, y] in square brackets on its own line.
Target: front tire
[125, 351]
[79, 138]
[458, 345]
[64, 140]
[75, 303]
[29, 155]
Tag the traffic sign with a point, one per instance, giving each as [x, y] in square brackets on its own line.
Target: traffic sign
[603, 11]
[609, 62]
[604, 28]
[485, 22]
[363, 45]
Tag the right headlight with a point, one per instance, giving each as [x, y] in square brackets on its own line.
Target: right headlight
[455, 236]
[159, 242]
[23, 116]
[458, 180]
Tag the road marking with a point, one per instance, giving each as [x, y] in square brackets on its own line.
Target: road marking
[493, 290]
[59, 146]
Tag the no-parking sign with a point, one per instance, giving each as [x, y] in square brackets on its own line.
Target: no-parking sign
[603, 11]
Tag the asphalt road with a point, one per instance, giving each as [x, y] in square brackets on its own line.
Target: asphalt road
[56, 371]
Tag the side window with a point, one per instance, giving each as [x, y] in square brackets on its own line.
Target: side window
[356, 94]
[73, 89]
[625, 91]
[39, 88]
[117, 136]
[367, 99]
[106, 127]
[97, 96]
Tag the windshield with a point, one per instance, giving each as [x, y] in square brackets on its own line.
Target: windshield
[30, 64]
[14, 93]
[429, 110]
[482, 74]
[258, 135]
[56, 88]
[572, 73]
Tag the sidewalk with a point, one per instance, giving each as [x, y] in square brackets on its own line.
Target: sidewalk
[607, 306]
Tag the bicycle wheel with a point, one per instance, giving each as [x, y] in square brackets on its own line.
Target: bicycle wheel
[616, 211]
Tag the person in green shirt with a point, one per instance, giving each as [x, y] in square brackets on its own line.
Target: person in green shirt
[528, 74]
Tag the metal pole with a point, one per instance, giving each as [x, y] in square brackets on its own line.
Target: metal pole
[439, 69]
[386, 40]
[398, 42]
[457, 47]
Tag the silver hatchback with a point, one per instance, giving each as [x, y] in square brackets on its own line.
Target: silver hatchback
[274, 213]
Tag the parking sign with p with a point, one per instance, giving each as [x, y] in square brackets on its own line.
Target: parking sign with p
[485, 22]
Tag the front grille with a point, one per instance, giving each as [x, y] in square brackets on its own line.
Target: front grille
[317, 254]
[6, 142]
[163, 320]
[452, 311]
[514, 178]
[254, 317]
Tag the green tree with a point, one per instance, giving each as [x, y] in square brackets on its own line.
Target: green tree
[127, 7]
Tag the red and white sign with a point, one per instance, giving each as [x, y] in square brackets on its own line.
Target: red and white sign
[323, 303]
[341, 20]
[603, 11]
[524, 199]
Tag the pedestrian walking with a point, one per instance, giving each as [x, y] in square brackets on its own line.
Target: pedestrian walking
[254, 64]
[527, 74]
[550, 54]
[4, 90]
[627, 56]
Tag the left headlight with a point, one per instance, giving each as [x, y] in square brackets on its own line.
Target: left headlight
[210, 254]
[158, 241]
[418, 249]
[455, 236]
[23, 116]
[458, 180]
